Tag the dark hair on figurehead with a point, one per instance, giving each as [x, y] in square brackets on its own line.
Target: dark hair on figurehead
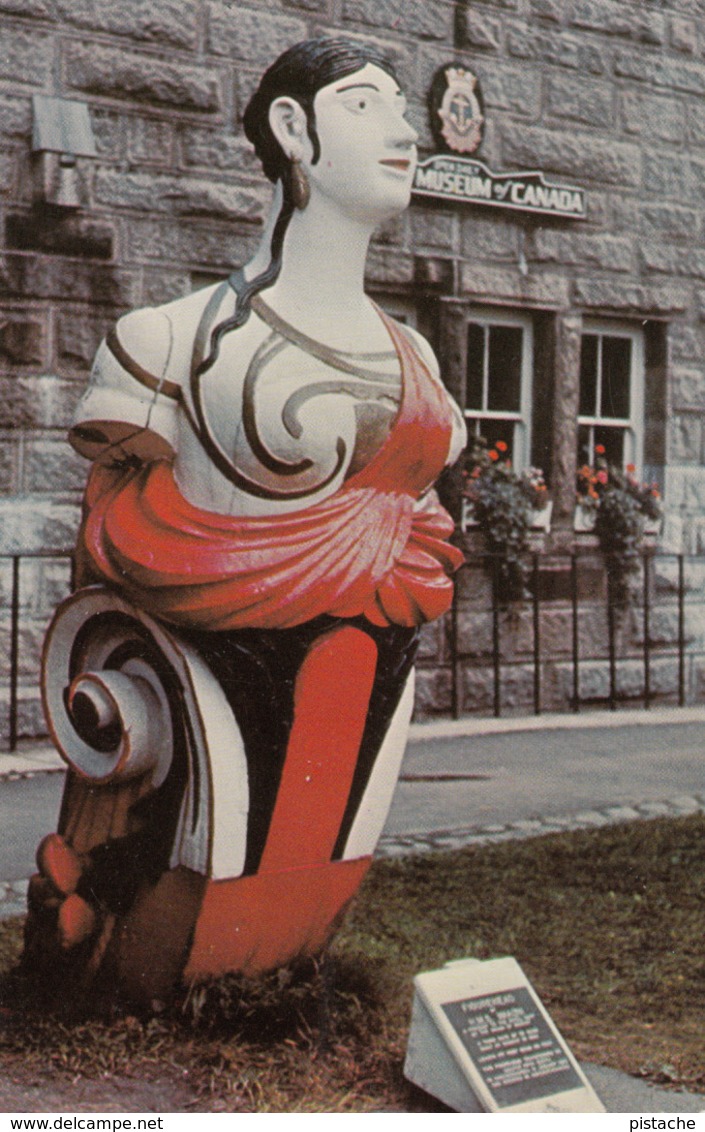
[299, 73]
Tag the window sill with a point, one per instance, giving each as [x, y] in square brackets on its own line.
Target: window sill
[583, 519]
[584, 522]
[540, 520]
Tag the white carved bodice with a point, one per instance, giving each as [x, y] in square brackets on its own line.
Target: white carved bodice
[292, 425]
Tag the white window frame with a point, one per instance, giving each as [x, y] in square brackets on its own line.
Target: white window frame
[521, 441]
[633, 425]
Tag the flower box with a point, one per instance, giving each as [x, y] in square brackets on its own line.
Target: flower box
[540, 519]
[584, 519]
[584, 522]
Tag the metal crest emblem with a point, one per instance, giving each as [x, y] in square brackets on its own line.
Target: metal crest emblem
[459, 108]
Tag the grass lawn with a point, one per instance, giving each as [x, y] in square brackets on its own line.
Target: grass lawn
[608, 925]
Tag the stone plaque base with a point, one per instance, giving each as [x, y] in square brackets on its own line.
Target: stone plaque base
[482, 1041]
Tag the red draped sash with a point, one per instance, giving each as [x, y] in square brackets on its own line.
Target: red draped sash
[373, 548]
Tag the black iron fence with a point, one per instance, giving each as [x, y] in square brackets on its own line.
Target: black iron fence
[599, 633]
[569, 624]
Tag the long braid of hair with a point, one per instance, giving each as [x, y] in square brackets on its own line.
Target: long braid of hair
[246, 293]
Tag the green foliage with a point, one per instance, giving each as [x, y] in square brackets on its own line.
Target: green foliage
[502, 502]
[622, 505]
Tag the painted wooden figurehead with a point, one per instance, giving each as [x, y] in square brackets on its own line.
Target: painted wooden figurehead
[231, 684]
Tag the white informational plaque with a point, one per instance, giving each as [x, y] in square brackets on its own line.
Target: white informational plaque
[482, 1041]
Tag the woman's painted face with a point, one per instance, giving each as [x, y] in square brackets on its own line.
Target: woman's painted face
[368, 149]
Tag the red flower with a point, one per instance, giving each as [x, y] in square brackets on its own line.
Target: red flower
[501, 446]
[599, 449]
[631, 468]
[493, 455]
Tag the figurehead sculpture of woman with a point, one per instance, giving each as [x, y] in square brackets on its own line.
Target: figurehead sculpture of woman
[232, 683]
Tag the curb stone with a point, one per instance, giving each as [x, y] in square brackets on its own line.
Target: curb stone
[13, 894]
[444, 839]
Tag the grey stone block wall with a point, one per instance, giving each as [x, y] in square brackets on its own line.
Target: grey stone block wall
[601, 93]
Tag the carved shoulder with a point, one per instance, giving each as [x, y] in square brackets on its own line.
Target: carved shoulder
[160, 339]
[147, 337]
[129, 408]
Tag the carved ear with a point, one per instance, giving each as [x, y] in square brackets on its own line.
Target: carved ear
[288, 124]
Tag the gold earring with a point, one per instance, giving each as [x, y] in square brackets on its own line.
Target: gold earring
[300, 188]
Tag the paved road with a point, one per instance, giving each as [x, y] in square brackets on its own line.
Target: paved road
[494, 779]
[28, 809]
[528, 777]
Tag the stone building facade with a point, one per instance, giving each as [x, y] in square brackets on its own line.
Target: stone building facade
[597, 94]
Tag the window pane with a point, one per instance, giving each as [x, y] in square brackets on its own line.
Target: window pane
[612, 440]
[476, 356]
[504, 393]
[588, 376]
[494, 430]
[502, 431]
[616, 371]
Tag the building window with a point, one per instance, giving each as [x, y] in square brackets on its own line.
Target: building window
[611, 410]
[499, 366]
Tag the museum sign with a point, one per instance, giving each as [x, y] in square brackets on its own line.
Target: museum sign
[465, 179]
[457, 119]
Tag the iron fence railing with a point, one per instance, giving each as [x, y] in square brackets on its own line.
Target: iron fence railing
[681, 595]
[678, 596]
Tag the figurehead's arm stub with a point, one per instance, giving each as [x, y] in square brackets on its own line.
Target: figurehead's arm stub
[128, 413]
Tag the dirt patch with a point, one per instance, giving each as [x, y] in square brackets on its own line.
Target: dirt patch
[23, 1090]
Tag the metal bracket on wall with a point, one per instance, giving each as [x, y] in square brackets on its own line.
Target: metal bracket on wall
[62, 136]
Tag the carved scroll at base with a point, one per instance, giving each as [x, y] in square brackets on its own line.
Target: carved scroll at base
[163, 868]
[149, 741]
